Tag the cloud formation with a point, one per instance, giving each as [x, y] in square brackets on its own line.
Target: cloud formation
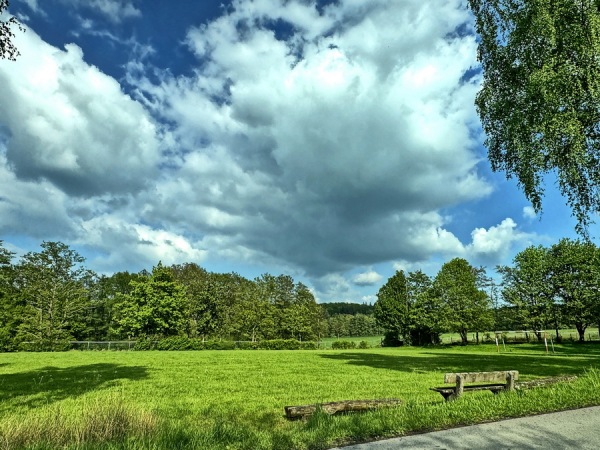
[318, 140]
[331, 145]
[72, 125]
[369, 278]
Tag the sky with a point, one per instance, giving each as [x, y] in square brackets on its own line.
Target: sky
[334, 141]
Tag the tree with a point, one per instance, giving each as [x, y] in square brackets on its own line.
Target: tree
[155, 306]
[10, 306]
[540, 99]
[464, 307]
[104, 294]
[426, 318]
[392, 309]
[575, 276]
[527, 287]
[7, 48]
[54, 287]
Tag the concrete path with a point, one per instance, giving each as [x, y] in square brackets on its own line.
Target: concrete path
[576, 429]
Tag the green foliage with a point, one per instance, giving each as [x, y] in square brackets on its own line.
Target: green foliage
[527, 287]
[155, 306]
[336, 308]
[409, 311]
[463, 307]
[10, 306]
[343, 345]
[540, 99]
[392, 308]
[7, 48]
[575, 277]
[53, 286]
[181, 343]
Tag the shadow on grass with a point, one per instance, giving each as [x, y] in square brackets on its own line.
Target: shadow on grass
[50, 384]
[529, 366]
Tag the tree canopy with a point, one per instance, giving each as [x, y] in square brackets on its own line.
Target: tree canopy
[540, 100]
[7, 48]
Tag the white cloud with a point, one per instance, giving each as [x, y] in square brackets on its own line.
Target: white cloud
[369, 278]
[33, 5]
[340, 142]
[331, 145]
[496, 242]
[529, 213]
[137, 244]
[114, 10]
[71, 124]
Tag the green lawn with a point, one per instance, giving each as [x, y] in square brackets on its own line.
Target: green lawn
[235, 399]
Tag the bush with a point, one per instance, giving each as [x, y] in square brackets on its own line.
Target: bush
[363, 344]
[343, 345]
[391, 340]
[247, 345]
[180, 343]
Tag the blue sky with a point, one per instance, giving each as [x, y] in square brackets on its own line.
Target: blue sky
[335, 141]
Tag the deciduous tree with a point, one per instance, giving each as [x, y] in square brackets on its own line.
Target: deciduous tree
[464, 307]
[54, 287]
[527, 286]
[7, 48]
[575, 277]
[154, 307]
[540, 99]
[392, 308]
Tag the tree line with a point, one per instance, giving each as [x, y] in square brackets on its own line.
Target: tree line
[544, 289]
[49, 298]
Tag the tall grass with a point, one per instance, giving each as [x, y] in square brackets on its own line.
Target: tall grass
[235, 399]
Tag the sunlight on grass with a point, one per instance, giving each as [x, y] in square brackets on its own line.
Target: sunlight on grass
[235, 399]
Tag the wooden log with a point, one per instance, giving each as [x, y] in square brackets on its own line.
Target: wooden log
[298, 412]
[541, 382]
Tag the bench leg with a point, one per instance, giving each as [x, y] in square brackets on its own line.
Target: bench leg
[448, 396]
[460, 385]
[510, 381]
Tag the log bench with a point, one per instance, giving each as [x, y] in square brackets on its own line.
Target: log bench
[494, 382]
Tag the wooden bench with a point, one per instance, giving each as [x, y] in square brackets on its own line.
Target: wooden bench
[494, 381]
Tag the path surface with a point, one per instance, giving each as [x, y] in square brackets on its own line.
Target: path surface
[576, 429]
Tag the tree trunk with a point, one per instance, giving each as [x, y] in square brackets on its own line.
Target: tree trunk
[581, 330]
[464, 337]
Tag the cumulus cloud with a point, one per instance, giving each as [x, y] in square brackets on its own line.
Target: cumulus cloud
[138, 245]
[317, 139]
[369, 278]
[495, 242]
[333, 145]
[72, 125]
[529, 213]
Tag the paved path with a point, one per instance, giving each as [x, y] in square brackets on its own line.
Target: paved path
[576, 429]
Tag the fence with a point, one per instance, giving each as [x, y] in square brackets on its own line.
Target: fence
[102, 345]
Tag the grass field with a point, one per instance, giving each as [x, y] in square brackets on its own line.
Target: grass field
[235, 399]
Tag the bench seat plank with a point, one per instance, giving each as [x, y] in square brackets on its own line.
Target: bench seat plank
[480, 377]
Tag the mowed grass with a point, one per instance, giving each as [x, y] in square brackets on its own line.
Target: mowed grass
[235, 399]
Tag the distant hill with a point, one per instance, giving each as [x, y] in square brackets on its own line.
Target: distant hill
[333, 309]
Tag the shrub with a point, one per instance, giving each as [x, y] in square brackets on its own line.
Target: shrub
[363, 344]
[391, 340]
[343, 345]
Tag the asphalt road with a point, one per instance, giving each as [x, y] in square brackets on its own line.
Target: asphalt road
[576, 429]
